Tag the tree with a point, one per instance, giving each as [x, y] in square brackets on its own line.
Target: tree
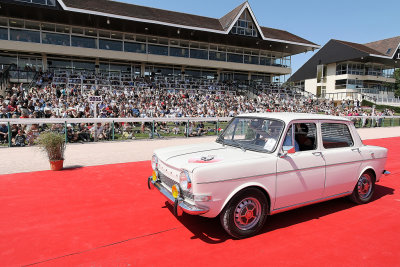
[397, 82]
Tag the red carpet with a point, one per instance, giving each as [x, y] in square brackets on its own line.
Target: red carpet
[106, 216]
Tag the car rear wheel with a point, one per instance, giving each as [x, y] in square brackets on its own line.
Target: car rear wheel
[364, 189]
[245, 214]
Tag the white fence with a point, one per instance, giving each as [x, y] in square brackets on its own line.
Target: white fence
[184, 122]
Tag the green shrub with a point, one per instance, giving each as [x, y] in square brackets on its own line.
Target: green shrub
[380, 107]
[53, 144]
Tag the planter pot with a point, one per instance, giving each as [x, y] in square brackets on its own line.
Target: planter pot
[56, 165]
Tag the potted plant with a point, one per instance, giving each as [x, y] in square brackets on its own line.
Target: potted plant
[54, 145]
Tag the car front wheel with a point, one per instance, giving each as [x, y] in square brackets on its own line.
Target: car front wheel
[364, 189]
[245, 214]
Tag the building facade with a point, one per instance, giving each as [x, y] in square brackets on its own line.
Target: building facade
[343, 69]
[101, 35]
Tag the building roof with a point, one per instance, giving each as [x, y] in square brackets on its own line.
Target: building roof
[177, 19]
[361, 47]
[338, 51]
[227, 20]
[387, 47]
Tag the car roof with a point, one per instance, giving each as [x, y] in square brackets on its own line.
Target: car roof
[287, 117]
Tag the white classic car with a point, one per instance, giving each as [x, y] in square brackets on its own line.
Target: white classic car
[264, 164]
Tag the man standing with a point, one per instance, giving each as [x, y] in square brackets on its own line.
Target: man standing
[3, 133]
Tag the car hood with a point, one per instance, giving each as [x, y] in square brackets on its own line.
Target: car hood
[189, 157]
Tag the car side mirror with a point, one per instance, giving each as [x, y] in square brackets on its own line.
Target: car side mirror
[291, 151]
[287, 150]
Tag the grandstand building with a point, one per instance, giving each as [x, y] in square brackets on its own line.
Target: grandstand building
[111, 36]
[343, 69]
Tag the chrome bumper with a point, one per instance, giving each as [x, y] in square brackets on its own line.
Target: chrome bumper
[179, 204]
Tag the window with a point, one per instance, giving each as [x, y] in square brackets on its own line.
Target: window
[24, 36]
[220, 56]
[83, 42]
[251, 59]
[235, 58]
[55, 39]
[158, 50]
[110, 45]
[178, 52]
[196, 53]
[335, 135]
[244, 26]
[135, 47]
[305, 136]
[3, 34]
[253, 133]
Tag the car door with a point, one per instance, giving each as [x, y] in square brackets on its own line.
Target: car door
[343, 159]
[300, 176]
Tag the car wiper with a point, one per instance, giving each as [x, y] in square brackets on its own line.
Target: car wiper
[239, 144]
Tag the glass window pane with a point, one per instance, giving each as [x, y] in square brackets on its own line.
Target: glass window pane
[32, 25]
[235, 58]
[129, 37]
[90, 32]
[3, 21]
[219, 56]
[62, 28]
[116, 35]
[83, 65]
[55, 39]
[335, 135]
[48, 27]
[241, 77]
[104, 34]
[140, 38]
[59, 63]
[158, 50]
[250, 59]
[201, 54]
[135, 47]
[163, 41]
[8, 59]
[77, 30]
[24, 36]
[83, 42]
[16, 23]
[110, 45]
[3, 34]
[178, 52]
[153, 40]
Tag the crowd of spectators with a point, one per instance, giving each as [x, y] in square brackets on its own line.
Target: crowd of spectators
[47, 100]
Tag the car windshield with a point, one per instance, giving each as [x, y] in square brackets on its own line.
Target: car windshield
[253, 133]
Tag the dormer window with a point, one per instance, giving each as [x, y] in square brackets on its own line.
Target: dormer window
[388, 51]
[245, 26]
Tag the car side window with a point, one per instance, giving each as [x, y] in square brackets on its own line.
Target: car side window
[306, 136]
[335, 135]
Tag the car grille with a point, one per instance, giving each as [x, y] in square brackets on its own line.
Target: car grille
[169, 182]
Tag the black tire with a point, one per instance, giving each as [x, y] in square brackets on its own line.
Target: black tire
[245, 203]
[364, 189]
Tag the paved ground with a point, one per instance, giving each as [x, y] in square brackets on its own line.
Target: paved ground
[27, 159]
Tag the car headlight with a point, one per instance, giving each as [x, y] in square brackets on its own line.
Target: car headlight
[184, 180]
[154, 162]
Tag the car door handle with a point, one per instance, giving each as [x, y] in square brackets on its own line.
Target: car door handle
[317, 153]
[355, 149]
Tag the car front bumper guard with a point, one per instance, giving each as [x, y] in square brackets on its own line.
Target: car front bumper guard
[178, 203]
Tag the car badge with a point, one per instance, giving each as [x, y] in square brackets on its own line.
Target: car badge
[208, 158]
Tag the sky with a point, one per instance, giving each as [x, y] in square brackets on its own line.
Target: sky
[359, 21]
